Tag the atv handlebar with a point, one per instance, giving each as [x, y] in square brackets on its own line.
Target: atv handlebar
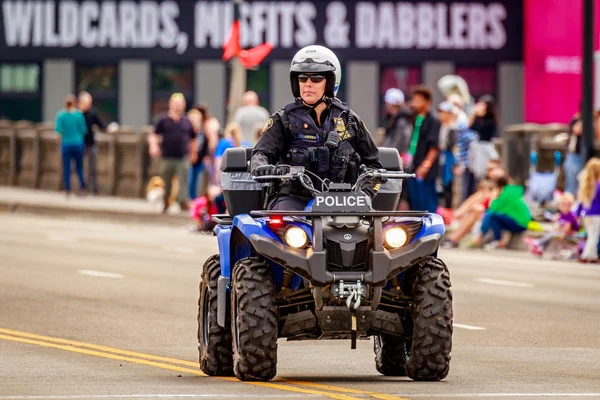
[299, 173]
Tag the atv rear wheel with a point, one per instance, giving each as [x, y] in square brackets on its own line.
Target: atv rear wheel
[390, 354]
[429, 358]
[214, 342]
[254, 321]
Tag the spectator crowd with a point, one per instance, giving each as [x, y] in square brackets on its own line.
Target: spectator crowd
[453, 143]
[448, 146]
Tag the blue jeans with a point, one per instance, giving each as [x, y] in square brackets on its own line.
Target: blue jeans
[422, 195]
[72, 152]
[572, 166]
[195, 171]
[469, 184]
[498, 223]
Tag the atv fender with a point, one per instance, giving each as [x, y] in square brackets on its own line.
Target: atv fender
[234, 244]
[223, 236]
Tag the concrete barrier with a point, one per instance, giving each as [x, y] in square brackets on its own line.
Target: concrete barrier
[28, 156]
[8, 154]
[518, 142]
[129, 162]
[50, 161]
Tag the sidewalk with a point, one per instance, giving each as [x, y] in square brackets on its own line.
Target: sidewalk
[56, 203]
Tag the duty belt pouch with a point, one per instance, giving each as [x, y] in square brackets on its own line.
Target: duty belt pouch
[339, 167]
[299, 157]
[322, 159]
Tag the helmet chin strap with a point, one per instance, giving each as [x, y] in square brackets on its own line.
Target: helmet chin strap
[314, 105]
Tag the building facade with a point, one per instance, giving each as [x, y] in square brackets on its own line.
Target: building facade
[132, 55]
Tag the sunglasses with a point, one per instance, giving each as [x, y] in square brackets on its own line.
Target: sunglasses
[314, 78]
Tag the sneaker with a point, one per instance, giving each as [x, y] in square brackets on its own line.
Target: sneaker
[529, 241]
[535, 249]
[496, 244]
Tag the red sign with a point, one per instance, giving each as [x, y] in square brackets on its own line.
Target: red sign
[552, 57]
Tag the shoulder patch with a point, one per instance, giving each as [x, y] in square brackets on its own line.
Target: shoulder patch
[365, 126]
[268, 125]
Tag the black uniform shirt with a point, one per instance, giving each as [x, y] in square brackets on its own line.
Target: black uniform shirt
[275, 141]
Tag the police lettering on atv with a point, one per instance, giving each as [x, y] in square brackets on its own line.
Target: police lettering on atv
[342, 269]
[340, 202]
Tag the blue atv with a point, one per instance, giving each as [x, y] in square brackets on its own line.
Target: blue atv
[341, 269]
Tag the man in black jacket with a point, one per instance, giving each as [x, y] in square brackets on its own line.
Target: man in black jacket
[91, 118]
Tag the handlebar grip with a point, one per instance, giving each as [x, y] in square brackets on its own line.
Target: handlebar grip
[398, 176]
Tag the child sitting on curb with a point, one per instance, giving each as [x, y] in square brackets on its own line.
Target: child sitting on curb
[567, 224]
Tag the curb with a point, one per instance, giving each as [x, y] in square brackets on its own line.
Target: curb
[115, 215]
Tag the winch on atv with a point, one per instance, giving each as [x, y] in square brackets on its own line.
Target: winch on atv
[341, 269]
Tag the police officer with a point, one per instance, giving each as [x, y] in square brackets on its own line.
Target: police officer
[317, 131]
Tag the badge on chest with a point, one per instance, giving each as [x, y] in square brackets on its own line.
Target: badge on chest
[340, 128]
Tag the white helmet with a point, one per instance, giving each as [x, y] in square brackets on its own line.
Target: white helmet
[316, 59]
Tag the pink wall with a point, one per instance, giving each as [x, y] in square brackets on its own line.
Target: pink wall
[552, 58]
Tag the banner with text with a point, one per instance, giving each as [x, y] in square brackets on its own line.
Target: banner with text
[391, 32]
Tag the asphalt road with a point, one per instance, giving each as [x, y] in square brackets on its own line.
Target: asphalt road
[107, 310]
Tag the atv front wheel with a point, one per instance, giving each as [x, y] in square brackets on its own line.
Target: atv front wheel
[390, 354]
[254, 321]
[432, 320]
[214, 342]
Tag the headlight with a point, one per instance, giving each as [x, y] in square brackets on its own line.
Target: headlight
[296, 237]
[396, 238]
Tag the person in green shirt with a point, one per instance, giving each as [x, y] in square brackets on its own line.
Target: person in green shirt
[507, 213]
[70, 125]
[424, 151]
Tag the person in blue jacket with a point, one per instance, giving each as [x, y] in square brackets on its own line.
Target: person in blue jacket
[71, 126]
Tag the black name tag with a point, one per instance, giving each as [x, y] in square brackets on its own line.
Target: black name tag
[340, 202]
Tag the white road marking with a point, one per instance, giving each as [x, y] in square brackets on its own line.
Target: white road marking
[100, 274]
[159, 396]
[500, 395]
[469, 327]
[504, 283]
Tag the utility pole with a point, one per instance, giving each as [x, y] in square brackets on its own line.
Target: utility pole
[237, 82]
[587, 103]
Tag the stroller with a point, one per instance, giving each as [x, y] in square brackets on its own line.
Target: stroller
[541, 190]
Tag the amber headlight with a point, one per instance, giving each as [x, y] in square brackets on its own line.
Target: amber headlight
[295, 237]
[396, 238]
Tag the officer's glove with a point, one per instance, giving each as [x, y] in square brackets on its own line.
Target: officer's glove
[264, 170]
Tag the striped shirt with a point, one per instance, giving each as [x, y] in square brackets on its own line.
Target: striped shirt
[465, 138]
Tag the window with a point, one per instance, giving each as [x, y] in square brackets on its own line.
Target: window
[481, 80]
[101, 81]
[258, 80]
[20, 94]
[403, 78]
[169, 79]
